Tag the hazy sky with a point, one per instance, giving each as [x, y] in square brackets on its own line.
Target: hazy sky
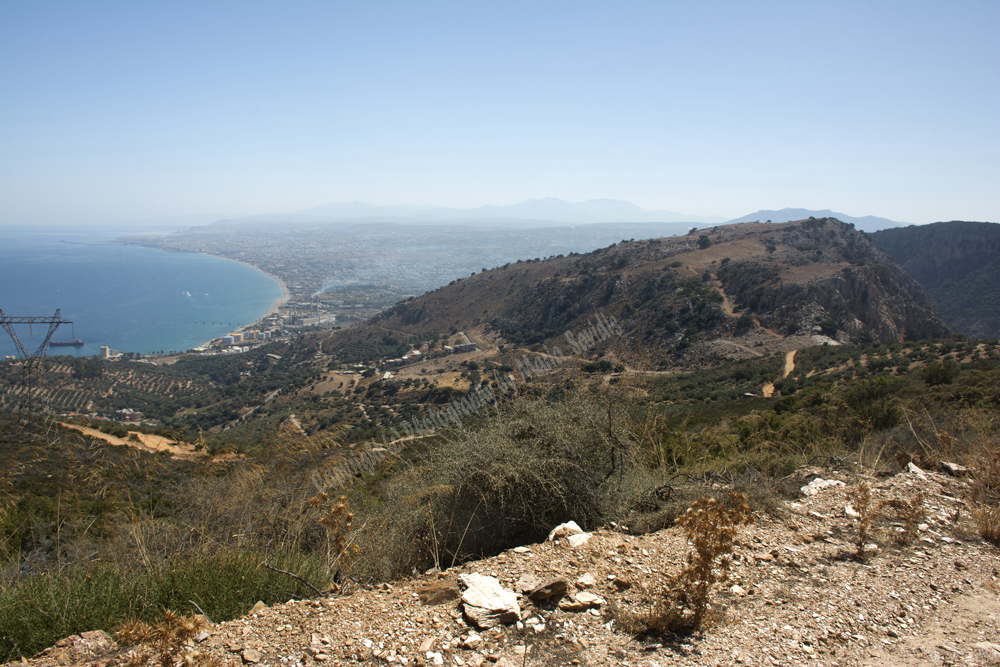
[114, 111]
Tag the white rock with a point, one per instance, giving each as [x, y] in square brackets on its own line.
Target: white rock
[988, 647]
[818, 484]
[578, 539]
[589, 599]
[487, 603]
[910, 467]
[565, 530]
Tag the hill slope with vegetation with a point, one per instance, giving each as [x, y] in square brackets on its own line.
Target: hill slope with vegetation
[94, 535]
[675, 298]
[958, 262]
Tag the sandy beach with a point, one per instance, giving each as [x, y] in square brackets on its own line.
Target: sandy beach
[284, 288]
[273, 310]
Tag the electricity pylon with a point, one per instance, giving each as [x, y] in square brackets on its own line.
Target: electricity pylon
[31, 379]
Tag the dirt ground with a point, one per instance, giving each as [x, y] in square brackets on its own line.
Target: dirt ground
[796, 594]
[144, 441]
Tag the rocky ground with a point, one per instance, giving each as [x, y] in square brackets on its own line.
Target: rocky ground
[797, 595]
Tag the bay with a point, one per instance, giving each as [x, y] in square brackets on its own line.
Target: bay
[129, 298]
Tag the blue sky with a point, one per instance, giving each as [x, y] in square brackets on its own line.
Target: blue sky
[117, 111]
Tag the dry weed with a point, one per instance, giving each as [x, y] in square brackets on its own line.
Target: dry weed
[165, 642]
[339, 522]
[913, 514]
[984, 495]
[860, 498]
[711, 527]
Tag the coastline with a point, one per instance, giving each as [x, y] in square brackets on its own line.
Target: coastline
[73, 263]
[280, 301]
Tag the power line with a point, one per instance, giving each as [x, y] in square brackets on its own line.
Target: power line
[31, 380]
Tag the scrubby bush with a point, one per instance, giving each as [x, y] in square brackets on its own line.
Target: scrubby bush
[508, 482]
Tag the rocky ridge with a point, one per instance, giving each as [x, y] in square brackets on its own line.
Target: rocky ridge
[796, 595]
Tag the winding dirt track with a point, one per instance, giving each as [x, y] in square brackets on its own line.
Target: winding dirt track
[768, 389]
[144, 441]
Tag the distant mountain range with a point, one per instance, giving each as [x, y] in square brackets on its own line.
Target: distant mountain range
[545, 212]
[531, 212]
[868, 223]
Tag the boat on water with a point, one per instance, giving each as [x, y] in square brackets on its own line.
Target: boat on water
[76, 342]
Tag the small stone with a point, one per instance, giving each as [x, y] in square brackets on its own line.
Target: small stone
[426, 645]
[251, 656]
[988, 647]
[736, 589]
[622, 584]
[488, 604]
[260, 606]
[527, 583]
[817, 485]
[586, 580]
[550, 589]
[521, 550]
[578, 539]
[954, 469]
[564, 530]
[438, 591]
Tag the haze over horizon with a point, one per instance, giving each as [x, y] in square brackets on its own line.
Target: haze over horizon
[117, 112]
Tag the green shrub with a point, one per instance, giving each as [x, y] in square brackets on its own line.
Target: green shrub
[42, 609]
[507, 483]
[937, 373]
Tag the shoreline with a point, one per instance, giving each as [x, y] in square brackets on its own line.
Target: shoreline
[280, 301]
[275, 306]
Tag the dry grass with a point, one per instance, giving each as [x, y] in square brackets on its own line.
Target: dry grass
[984, 495]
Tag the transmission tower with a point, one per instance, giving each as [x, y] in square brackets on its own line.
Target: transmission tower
[31, 378]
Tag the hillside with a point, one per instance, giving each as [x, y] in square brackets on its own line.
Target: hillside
[734, 291]
[95, 534]
[958, 262]
[794, 595]
[868, 223]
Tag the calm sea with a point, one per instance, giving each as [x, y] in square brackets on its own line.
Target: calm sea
[129, 298]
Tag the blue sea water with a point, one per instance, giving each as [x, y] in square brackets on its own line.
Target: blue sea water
[129, 298]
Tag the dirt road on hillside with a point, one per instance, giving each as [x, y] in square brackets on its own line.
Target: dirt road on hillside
[768, 389]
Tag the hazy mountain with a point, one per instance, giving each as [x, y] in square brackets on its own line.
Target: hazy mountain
[868, 223]
[529, 213]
